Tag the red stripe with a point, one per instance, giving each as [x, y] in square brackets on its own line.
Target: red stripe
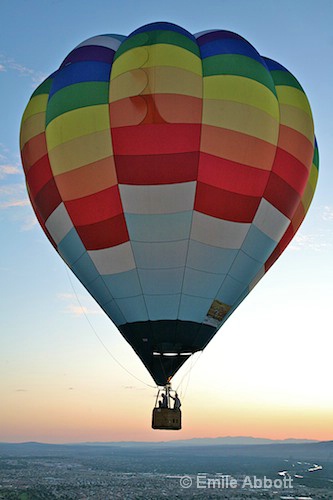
[47, 200]
[156, 138]
[225, 205]
[291, 170]
[95, 207]
[157, 169]
[39, 175]
[105, 234]
[281, 195]
[42, 223]
[232, 176]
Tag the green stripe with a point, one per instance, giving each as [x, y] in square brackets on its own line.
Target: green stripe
[158, 36]
[316, 158]
[285, 78]
[44, 88]
[76, 96]
[239, 65]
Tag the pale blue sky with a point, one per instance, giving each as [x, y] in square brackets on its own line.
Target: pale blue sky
[286, 322]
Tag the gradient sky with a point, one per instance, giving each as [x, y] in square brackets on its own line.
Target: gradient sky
[268, 372]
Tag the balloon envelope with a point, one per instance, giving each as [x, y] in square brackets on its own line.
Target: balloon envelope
[169, 170]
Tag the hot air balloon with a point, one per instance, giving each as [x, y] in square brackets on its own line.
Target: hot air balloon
[169, 171]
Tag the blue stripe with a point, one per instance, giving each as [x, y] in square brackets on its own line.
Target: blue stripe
[86, 71]
[229, 46]
[273, 65]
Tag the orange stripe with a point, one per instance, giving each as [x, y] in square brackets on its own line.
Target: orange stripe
[87, 180]
[33, 151]
[297, 145]
[237, 147]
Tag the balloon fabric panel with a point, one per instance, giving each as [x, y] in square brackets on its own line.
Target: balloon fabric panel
[170, 171]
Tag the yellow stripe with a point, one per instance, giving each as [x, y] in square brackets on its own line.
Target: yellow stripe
[80, 151]
[313, 178]
[77, 123]
[241, 117]
[157, 80]
[243, 90]
[32, 126]
[307, 197]
[293, 97]
[36, 105]
[297, 119]
[129, 84]
[156, 55]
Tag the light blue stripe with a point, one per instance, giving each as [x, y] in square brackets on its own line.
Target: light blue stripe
[124, 284]
[230, 291]
[159, 227]
[258, 245]
[162, 281]
[114, 313]
[85, 269]
[160, 255]
[208, 258]
[99, 291]
[133, 309]
[194, 308]
[71, 248]
[202, 284]
[162, 306]
[244, 268]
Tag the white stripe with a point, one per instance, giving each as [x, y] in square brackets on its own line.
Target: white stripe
[160, 199]
[270, 220]
[217, 232]
[113, 260]
[59, 223]
[103, 41]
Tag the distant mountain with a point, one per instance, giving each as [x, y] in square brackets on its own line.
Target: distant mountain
[228, 440]
[212, 448]
[237, 440]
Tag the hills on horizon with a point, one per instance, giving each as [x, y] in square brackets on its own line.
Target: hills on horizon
[226, 440]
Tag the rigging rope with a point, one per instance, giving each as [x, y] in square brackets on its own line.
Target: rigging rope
[101, 341]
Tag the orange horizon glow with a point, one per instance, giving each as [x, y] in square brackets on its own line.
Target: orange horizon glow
[102, 423]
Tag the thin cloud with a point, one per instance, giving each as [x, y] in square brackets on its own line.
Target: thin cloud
[13, 195]
[76, 305]
[327, 214]
[9, 64]
[8, 169]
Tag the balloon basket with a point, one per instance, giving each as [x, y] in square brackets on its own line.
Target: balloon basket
[167, 419]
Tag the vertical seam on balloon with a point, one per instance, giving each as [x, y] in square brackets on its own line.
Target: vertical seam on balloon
[240, 249]
[77, 234]
[195, 192]
[130, 242]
